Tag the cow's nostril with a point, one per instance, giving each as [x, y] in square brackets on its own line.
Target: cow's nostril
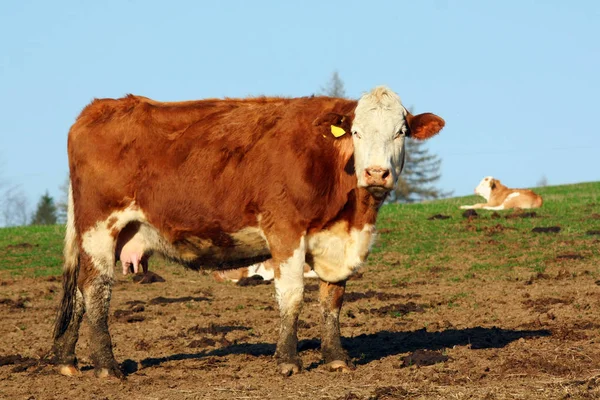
[367, 172]
[385, 174]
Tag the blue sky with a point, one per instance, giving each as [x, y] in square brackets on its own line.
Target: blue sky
[516, 81]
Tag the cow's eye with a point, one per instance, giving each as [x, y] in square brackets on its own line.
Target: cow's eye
[355, 133]
[398, 134]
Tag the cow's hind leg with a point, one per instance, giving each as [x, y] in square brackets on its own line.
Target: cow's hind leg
[331, 296]
[66, 339]
[289, 288]
[96, 289]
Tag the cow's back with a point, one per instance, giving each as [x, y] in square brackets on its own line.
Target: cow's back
[203, 168]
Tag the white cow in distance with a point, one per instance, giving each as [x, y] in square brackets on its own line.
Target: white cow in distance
[499, 197]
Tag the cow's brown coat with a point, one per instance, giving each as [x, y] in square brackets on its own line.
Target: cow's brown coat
[202, 172]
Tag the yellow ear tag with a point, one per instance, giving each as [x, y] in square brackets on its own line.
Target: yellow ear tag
[337, 131]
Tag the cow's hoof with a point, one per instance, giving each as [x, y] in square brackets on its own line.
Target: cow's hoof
[288, 369]
[68, 370]
[338, 366]
[114, 372]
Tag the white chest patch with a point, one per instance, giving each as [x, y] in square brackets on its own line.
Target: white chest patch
[337, 253]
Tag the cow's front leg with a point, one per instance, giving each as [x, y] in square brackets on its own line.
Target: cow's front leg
[331, 297]
[474, 206]
[289, 289]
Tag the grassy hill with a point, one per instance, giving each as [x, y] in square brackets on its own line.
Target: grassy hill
[494, 243]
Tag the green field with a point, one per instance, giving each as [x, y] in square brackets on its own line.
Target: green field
[494, 243]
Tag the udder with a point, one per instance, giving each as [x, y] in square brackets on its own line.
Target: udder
[132, 256]
[132, 250]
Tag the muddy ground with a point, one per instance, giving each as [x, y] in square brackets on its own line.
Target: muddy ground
[523, 336]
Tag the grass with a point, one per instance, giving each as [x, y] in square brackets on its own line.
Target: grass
[490, 244]
[31, 250]
[408, 241]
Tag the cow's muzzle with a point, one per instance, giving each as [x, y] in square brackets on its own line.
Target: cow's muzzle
[378, 192]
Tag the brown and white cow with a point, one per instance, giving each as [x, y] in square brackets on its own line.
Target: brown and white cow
[499, 197]
[266, 270]
[224, 184]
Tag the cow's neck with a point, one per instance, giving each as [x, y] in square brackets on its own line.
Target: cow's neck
[361, 208]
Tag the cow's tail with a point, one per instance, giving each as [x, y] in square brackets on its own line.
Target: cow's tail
[70, 272]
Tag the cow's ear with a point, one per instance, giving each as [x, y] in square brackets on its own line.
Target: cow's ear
[424, 126]
[335, 124]
[493, 183]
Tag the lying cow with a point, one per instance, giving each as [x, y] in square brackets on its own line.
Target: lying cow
[225, 184]
[499, 197]
[266, 270]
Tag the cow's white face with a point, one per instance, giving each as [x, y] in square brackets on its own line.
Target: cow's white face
[380, 125]
[484, 189]
[378, 132]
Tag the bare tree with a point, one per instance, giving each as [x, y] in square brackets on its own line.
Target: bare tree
[62, 203]
[14, 207]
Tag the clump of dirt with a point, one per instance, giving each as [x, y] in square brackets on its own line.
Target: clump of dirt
[128, 316]
[391, 392]
[20, 363]
[372, 294]
[569, 256]
[493, 230]
[522, 214]
[422, 358]
[438, 216]
[495, 215]
[470, 214]
[538, 276]
[148, 278]
[166, 300]
[15, 304]
[548, 229]
[592, 232]
[595, 216]
[133, 303]
[201, 343]
[23, 245]
[395, 309]
[142, 345]
[253, 280]
[305, 325]
[213, 329]
[544, 304]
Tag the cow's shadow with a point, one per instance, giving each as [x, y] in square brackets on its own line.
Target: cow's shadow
[366, 348]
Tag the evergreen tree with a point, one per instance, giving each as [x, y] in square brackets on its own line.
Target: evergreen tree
[46, 211]
[335, 87]
[421, 171]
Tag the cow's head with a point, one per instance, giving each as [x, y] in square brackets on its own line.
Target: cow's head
[485, 187]
[380, 126]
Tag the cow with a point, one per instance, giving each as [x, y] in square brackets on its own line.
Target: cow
[266, 270]
[499, 197]
[227, 183]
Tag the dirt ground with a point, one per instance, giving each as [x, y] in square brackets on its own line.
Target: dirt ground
[526, 336]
